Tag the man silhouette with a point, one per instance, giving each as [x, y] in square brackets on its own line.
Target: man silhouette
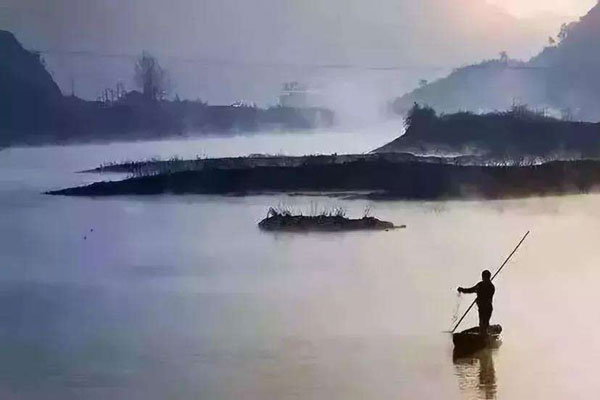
[485, 293]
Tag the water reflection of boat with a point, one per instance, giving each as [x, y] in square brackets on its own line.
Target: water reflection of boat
[471, 340]
[476, 374]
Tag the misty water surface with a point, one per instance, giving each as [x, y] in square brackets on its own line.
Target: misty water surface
[182, 297]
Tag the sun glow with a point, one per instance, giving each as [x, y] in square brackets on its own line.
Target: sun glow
[529, 8]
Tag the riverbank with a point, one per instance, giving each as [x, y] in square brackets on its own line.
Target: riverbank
[35, 112]
[518, 133]
[156, 166]
[380, 176]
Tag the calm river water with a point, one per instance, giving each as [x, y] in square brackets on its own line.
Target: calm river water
[182, 297]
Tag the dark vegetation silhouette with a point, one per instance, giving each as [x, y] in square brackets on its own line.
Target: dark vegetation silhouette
[335, 219]
[156, 166]
[151, 77]
[563, 78]
[525, 154]
[517, 134]
[375, 176]
[34, 111]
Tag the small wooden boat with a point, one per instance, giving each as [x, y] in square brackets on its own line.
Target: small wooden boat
[472, 340]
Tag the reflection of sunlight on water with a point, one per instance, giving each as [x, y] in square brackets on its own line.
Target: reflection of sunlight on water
[477, 375]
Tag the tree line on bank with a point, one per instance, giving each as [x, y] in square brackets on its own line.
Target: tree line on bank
[33, 110]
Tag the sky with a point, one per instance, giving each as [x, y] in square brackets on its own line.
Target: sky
[227, 50]
[528, 8]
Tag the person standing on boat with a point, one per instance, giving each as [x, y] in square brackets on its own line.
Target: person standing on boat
[485, 293]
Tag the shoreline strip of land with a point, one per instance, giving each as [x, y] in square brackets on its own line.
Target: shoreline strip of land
[385, 176]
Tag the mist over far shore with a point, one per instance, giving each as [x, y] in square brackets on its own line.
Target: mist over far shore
[380, 53]
[346, 76]
[561, 80]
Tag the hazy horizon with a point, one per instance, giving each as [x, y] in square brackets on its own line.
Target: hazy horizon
[223, 51]
[532, 8]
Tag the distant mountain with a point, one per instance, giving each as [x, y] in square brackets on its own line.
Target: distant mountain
[27, 90]
[263, 43]
[34, 111]
[563, 78]
[572, 69]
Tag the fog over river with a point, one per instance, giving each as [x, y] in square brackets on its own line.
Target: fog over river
[182, 297]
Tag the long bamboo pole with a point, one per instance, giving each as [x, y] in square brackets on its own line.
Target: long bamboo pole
[496, 274]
